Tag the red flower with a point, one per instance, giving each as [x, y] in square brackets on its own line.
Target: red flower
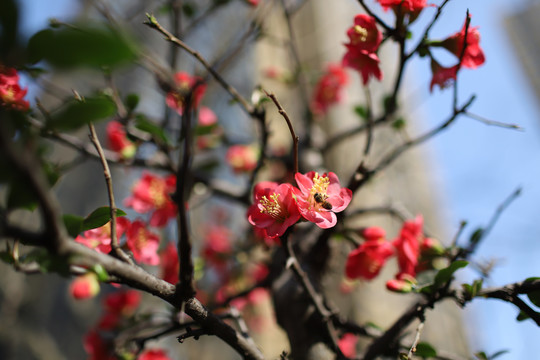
[328, 90]
[408, 246]
[143, 243]
[253, 2]
[11, 94]
[151, 193]
[364, 34]
[97, 348]
[206, 117]
[367, 260]
[99, 239]
[119, 305]
[170, 264]
[442, 76]
[363, 61]
[85, 286]
[398, 285]
[217, 245]
[118, 141]
[373, 233]
[347, 345]
[474, 55]
[153, 354]
[242, 158]
[320, 197]
[406, 5]
[274, 208]
[185, 83]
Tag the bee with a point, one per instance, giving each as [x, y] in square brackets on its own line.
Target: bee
[321, 200]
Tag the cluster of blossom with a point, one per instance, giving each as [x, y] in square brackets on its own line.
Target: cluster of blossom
[11, 93]
[410, 246]
[276, 206]
[120, 307]
[329, 89]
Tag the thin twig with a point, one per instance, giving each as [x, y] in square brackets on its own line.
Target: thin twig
[291, 129]
[416, 340]
[115, 248]
[493, 122]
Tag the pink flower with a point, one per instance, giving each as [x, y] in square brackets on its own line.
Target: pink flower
[253, 2]
[170, 263]
[217, 245]
[364, 62]
[364, 35]
[85, 286]
[474, 55]
[143, 243]
[347, 345]
[207, 117]
[408, 246]
[242, 158]
[99, 239]
[151, 193]
[118, 141]
[373, 233]
[367, 260]
[320, 197]
[119, 305]
[153, 354]
[328, 90]
[398, 285]
[406, 5]
[442, 76]
[274, 208]
[185, 83]
[11, 94]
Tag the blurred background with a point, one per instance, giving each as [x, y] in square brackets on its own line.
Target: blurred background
[474, 166]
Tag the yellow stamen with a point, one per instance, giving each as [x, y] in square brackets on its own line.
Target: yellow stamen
[273, 207]
[362, 32]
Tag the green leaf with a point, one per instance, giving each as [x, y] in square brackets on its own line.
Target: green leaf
[361, 111]
[399, 123]
[444, 275]
[143, 124]
[101, 273]
[189, 9]
[73, 224]
[99, 217]
[522, 316]
[78, 113]
[498, 353]
[48, 262]
[481, 355]
[425, 350]
[132, 100]
[87, 45]
[476, 236]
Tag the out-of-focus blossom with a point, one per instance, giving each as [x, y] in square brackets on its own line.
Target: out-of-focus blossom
[367, 260]
[406, 5]
[319, 197]
[442, 76]
[118, 142]
[143, 243]
[169, 263]
[99, 239]
[11, 93]
[474, 55]
[217, 245]
[185, 83]
[329, 88]
[242, 158]
[347, 345]
[364, 34]
[85, 286]
[274, 208]
[408, 246]
[364, 62]
[151, 193]
[153, 354]
[97, 347]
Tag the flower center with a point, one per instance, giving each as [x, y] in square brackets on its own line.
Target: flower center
[157, 193]
[273, 207]
[318, 194]
[362, 32]
[140, 240]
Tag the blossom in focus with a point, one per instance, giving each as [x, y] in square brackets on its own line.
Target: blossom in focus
[170, 263]
[217, 245]
[364, 35]
[367, 260]
[347, 345]
[328, 90]
[274, 208]
[151, 193]
[319, 197]
[153, 354]
[85, 286]
[118, 142]
[11, 93]
[185, 83]
[363, 61]
[99, 238]
[242, 158]
[442, 76]
[474, 55]
[143, 243]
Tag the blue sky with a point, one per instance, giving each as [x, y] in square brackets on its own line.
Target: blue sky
[479, 165]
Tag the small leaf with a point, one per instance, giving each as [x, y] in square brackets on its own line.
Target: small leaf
[143, 124]
[48, 262]
[101, 273]
[73, 224]
[476, 236]
[534, 296]
[361, 111]
[89, 45]
[498, 353]
[522, 316]
[444, 275]
[425, 350]
[481, 355]
[99, 217]
[132, 100]
[78, 113]
[399, 123]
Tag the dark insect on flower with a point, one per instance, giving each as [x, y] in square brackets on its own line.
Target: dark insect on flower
[320, 199]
